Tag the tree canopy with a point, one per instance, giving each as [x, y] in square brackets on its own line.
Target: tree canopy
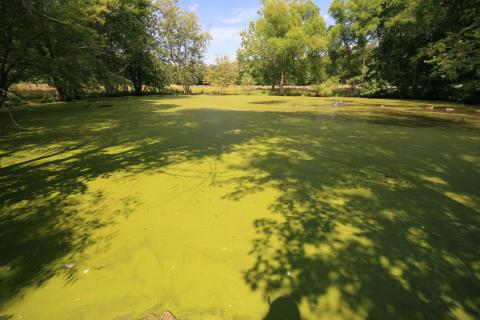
[180, 40]
[288, 36]
[418, 48]
[91, 45]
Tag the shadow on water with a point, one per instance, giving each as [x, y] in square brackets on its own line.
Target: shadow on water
[379, 221]
[414, 121]
[371, 221]
[41, 227]
[269, 102]
[283, 308]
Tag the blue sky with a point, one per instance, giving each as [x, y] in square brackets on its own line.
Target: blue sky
[225, 19]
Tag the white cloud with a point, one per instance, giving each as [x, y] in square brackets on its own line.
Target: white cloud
[225, 40]
[240, 15]
[225, 34]
[193, 7]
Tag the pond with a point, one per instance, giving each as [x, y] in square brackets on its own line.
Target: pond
[212, 206]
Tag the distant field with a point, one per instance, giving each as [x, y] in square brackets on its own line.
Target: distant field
[33, 91]
[258, 90]
[209, 205]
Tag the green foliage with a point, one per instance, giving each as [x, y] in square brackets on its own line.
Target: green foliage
[247, 81]
[456, 58]
[78, 45]
[326, 88]
[286, 37]
[20, 27]
[180, 40]
[47, 98]
[373, 88]
[130, 47]
[224, 73]
[14, 101]
[69, 49]
[350, 37]
[422, 49]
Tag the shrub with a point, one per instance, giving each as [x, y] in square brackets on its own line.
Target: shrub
[325, 89]
[47, 98]
[373, 88]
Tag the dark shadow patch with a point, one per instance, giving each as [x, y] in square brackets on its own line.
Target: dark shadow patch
[268, 102]
[283, 308]
[411, 120]
[315, 105]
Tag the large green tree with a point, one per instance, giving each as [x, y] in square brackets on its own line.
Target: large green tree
[78, 45]
[180, 39]
[130, 47]
[224, 73]
[19, 32]
[352, 37]
[68, 46]
[285, 36]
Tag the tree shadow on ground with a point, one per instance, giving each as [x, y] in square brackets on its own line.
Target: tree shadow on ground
[381, 218]
[268, 102]
[283, 308]
[372, 221]
[44, 168]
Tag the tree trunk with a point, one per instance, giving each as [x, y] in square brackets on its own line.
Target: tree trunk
[186, 88]
[414, 82]
[110, 89]
[3, 97]
[353, 88]
[280, 86]
[138, 88]
[362, 72]
[5, 84]
[185, 85]
[3, 93]
[4, 73]
[60, 96]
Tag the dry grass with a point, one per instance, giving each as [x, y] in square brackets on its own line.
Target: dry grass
[32, 87]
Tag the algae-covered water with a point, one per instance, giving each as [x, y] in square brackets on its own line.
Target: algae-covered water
[211, 206]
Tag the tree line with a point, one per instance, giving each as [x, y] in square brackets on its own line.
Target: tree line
[399, 48]
[395, 48]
